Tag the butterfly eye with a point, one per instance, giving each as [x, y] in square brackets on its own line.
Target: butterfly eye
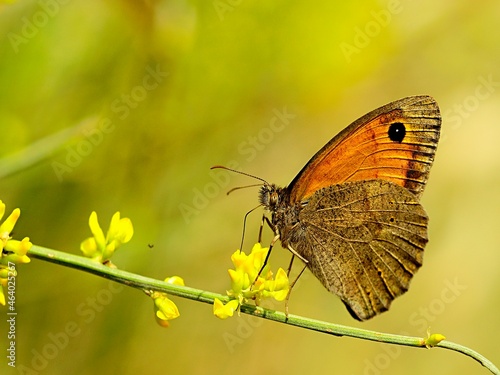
[274, 198]
[397, 132]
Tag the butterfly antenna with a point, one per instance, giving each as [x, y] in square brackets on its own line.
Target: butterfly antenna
[239, 172]
[242, 187]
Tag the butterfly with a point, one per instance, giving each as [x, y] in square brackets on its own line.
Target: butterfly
[352, 214]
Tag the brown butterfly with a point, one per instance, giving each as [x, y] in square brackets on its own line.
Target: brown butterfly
[353, 215]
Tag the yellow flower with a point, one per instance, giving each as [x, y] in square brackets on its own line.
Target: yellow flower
[176, 280]
[433, 339]
[101, 248]
[252, 280]
[164, 308]
[12, 252]
[19, 250]
[277, 288]
[222, 311]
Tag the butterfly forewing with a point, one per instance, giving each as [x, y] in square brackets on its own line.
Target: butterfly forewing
[396, 142]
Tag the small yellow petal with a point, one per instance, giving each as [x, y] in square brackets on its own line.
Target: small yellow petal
[97, 232]
[114, 227]
[120, 230]
[89, 247]
[236, 278]
[434, 339]
[281, 280]
[217, 304]
[238, 258]
[222, 311]
[126, 230]
[114, 224]
[176, 280]
[2, 209]
[10, 222]
[14, 258]
[5, 272]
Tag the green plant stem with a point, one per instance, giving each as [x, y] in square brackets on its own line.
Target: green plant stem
[147, 284]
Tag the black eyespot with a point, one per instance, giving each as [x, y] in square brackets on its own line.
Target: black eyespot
[397, 132]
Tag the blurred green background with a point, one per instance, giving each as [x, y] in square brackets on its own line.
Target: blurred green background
[124, 106]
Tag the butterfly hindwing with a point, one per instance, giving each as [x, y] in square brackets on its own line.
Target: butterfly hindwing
[363, 240]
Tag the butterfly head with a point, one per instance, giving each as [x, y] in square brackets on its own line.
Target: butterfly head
[271, 196]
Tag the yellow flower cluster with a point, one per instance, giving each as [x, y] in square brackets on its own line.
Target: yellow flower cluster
[251, 280]
[101, 248]
[13, 252]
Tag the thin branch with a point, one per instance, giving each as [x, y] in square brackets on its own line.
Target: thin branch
[148, 284]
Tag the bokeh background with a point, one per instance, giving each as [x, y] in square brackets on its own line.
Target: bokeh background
[124, 106]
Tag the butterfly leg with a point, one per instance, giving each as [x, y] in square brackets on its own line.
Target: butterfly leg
[290, 289]
[276, 237]
[290, 266]
[264, 220]
[294, 254]
[297, 255]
